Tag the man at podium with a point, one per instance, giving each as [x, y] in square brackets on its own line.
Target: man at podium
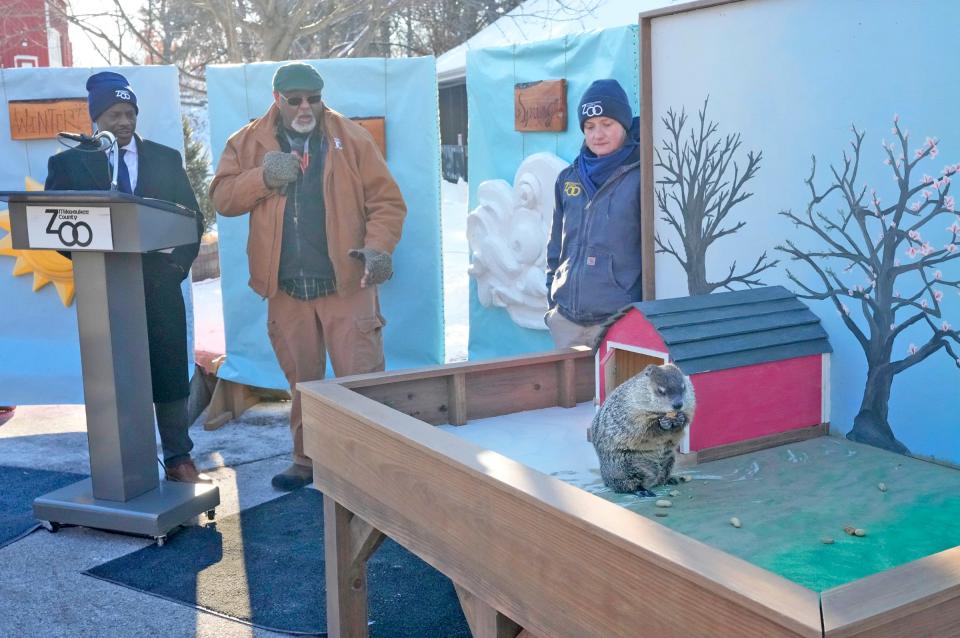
[146, 169]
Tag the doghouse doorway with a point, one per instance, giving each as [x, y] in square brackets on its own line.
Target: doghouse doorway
[623, 361]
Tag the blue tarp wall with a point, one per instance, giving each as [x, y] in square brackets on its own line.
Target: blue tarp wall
[404, 91]
[39, 347]
[496, 149]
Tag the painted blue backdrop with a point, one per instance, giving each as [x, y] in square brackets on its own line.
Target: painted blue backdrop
[39, 348]
[404, 91]
[792, 76]
[496, 149]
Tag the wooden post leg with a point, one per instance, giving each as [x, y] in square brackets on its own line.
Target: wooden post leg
[484, 620]
[457, 399]
[567, 386]
[229, 401]
[347, 544]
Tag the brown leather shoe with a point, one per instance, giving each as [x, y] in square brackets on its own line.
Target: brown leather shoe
[293, 478]
[186, 472]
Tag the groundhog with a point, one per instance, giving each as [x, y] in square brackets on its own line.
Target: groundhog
[638, 427]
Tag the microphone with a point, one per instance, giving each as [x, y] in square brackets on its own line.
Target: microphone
[102, 140]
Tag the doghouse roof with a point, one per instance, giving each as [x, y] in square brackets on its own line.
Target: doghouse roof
[734, 329]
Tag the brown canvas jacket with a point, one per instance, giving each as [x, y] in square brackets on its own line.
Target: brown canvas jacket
[363, 202]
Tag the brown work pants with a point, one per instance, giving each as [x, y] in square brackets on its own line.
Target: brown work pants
[303, 332]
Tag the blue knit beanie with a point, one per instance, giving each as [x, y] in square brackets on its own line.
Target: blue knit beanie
[106, 89]
[605, 98]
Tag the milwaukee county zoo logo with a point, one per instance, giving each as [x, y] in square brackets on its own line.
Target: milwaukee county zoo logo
[65, 224]
[123, 94]
[572, 189]
[592, 109]
[69, 228]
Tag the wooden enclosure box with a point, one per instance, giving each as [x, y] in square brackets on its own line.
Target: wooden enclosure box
[759, 361]
[533, 556]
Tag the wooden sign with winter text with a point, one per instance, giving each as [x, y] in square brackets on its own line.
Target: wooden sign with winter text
[377, 127]
[43, 119]
[540, 106]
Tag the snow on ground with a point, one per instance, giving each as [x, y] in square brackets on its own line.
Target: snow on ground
[456, 259]
[208, 300]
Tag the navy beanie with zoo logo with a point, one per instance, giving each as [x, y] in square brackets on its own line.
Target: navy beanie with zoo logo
[605, 98]
[106, 89]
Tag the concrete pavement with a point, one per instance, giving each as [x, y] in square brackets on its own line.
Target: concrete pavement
[42, 589]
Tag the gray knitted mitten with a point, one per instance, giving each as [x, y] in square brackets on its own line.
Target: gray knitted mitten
[378, 266]
[279, 169]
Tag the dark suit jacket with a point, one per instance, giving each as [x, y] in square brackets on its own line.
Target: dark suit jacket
[161, 176]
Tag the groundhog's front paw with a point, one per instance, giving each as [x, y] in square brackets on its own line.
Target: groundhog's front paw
[645, 493]
[673, 421]
[673, 480]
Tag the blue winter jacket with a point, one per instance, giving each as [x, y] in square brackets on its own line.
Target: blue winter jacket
[593, 257]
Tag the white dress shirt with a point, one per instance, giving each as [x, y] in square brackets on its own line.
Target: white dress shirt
[130, 159]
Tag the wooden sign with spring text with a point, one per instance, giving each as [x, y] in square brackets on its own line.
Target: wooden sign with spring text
[43, 119]
[540, 106]
[377, 127]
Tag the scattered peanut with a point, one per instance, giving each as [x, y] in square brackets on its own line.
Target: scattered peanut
[686, 478]
[882, 487]
[671, 415]
[850, 529]
[859, 532]
[827, 540]
[735, 522]
[660, 514]
[674, 492]
[664, 503]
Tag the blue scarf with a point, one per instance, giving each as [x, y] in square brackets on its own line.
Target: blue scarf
[595, 171]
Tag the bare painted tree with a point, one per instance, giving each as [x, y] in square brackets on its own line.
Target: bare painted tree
[697, 193]
[891, 261]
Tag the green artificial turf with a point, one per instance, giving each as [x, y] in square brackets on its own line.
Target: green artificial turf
[788, 499]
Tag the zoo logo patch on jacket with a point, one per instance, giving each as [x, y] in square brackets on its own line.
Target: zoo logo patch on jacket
[572, 189]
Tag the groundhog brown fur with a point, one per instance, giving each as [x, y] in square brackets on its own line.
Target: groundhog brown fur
[638, 427]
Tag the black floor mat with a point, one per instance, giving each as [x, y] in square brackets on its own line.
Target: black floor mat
[18, 487]
[264, 566]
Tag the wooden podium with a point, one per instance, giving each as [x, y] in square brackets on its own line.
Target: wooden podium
[107, 231]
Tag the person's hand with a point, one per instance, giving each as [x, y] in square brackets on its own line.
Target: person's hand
[279, 169]
[377, 266]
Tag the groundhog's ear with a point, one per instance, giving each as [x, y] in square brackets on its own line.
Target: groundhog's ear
[649, 370]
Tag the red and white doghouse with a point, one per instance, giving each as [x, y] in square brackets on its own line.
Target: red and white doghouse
[759, 361]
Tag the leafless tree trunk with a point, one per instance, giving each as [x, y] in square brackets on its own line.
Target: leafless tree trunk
[700, 197]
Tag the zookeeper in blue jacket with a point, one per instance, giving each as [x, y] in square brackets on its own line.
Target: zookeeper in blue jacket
[593, 256]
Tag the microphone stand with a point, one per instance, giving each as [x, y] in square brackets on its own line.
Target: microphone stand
[113, 161]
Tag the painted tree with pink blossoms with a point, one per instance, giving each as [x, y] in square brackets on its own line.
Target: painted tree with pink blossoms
[896, 263]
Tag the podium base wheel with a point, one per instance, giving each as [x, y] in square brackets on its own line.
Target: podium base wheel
[51, 526]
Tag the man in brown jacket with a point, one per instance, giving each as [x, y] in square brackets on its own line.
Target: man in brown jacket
[325, 216]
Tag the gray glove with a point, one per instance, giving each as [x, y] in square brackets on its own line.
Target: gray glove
[279, 169]
[377, 266]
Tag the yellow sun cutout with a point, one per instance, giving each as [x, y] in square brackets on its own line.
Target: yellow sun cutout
[47, 266]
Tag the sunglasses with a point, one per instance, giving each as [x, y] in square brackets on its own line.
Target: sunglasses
[298, 100]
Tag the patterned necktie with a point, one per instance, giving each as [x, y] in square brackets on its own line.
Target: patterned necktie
[123, 174]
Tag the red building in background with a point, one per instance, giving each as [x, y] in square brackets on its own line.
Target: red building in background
[34, 33]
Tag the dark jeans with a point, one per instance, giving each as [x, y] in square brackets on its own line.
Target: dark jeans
[174, 431]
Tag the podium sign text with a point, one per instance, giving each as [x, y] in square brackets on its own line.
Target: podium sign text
[69, 228]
